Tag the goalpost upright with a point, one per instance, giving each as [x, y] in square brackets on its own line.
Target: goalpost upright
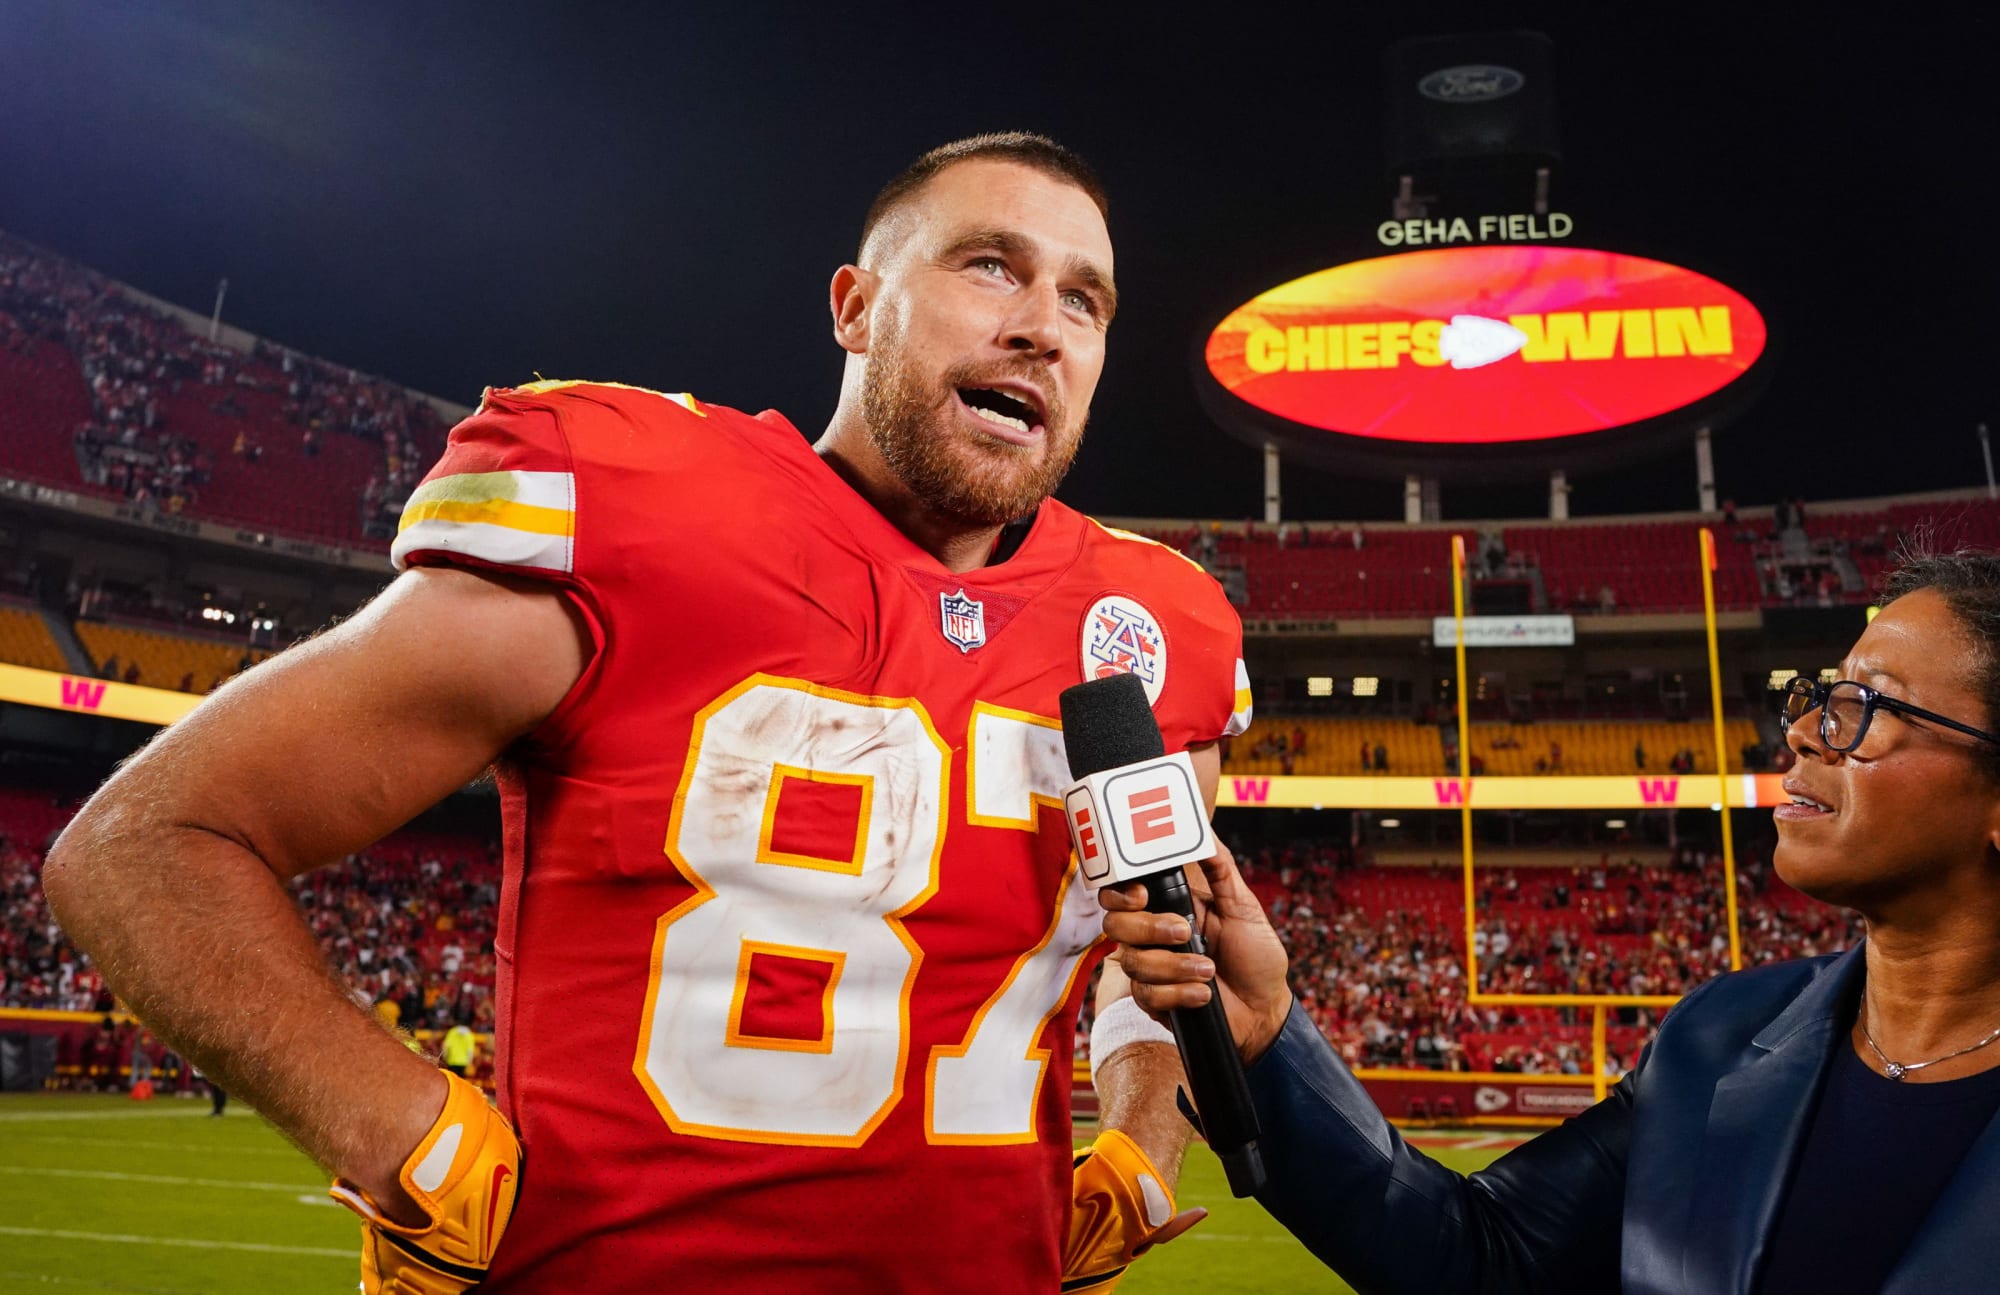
[1598, 1003]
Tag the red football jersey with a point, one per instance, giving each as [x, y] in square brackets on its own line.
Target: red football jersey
[790, 944]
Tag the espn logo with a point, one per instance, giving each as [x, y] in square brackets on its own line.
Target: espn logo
[1137, 820]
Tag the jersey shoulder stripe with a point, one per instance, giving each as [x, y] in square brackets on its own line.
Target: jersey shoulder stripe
[547, 386]
[508, 518]
[1240, 710]
[1137, 538]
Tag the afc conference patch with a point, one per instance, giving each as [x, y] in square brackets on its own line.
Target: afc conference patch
[963, 620]
[1122, 637]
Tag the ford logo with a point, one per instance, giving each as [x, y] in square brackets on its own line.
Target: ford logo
[1472, 83]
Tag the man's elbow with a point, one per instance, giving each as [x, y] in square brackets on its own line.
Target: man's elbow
[89, 875]
[71, 875]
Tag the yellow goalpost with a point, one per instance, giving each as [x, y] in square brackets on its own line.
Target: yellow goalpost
[1598, 1003]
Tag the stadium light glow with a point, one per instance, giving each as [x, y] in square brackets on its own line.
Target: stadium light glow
[1392, 822]
[1779, 678]
[1319, 685]
[1614, 823]
[1366, 685]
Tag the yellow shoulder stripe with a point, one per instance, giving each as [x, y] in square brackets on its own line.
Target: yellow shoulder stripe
[491, 512]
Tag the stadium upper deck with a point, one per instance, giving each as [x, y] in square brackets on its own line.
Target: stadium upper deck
[105, 393]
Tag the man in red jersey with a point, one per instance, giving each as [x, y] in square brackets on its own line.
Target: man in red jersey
[791, 947]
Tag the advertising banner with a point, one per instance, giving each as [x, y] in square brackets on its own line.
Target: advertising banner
[1746, 791]
[1505, 631]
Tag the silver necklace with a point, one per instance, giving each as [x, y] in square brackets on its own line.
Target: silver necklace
[1896, 1069]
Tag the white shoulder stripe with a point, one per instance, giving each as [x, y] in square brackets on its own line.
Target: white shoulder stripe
[1240, 712]
[501, 545]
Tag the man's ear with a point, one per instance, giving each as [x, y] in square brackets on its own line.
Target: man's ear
[849, 296]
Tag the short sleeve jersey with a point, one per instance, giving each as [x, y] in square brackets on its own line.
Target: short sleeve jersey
[791, 943]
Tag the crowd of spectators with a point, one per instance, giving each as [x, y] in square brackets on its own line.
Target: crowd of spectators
[135, 358]
[321, 397]
[38, 966]
[1377, 952]
[408, 924]
[412, 925]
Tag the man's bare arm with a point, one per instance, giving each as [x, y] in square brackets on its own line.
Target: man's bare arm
[173, 876]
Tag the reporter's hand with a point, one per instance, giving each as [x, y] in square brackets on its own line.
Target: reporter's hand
[1240, 943]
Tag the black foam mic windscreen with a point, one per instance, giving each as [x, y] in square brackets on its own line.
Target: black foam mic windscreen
[1108, 723]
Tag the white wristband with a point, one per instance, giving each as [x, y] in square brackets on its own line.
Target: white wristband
[1121, 1024]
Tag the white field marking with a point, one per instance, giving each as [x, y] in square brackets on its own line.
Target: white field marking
[1238, 1236]
[119, 1143]
[190, 1243]
[37, 1117]
[163, 1180]
[45, 1279]
[321, 1199]
[1492, 1140]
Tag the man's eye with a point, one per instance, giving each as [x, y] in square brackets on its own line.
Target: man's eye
[992, 265]
[1080, 301]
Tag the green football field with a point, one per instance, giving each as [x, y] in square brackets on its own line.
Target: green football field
[98, 1193]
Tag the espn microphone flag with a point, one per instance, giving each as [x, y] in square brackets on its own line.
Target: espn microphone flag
[1133, 810]
[1136, 814]
[1130, 822]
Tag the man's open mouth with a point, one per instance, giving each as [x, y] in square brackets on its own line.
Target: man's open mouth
[1002, 407]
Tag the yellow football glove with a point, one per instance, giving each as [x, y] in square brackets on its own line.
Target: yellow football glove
[1120, 1208]
[465, 1174]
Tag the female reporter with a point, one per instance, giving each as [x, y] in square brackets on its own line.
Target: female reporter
[1824, 1125]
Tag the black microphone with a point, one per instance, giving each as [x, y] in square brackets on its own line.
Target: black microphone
[1136, 814]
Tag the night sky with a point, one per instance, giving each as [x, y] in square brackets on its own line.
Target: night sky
[454, 195]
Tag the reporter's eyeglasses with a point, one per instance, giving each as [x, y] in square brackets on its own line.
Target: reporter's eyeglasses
[1846, 708]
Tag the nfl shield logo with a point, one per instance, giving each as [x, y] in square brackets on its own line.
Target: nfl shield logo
[963, 620]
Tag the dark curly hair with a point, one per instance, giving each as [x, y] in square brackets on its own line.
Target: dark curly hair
[1969, 583]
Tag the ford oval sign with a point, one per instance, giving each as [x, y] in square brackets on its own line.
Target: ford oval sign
[1483, 345]
[1473, 83]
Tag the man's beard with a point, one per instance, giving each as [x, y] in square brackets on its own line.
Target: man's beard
[979, 480]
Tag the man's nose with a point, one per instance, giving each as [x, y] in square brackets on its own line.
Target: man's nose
[1034, 326]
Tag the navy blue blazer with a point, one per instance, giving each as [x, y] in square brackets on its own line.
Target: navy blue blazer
[1670, 1184]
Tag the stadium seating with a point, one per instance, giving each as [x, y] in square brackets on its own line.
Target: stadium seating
[1333, 746]
[1318, 572]
[101, 393]
[411, 920]
[45, 401]
[25, 640]
[1608, 747]
[1647, 566]
[164, 660]
[1378, 953]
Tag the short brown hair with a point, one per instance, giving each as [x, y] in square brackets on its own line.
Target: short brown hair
[1018, 146]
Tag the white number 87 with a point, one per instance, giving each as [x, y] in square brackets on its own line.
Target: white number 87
[707, 1076]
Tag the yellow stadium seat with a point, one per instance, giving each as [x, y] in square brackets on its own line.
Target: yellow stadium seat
[1333, 746]
[165, 660]
[25, 640]
[1605, 747]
